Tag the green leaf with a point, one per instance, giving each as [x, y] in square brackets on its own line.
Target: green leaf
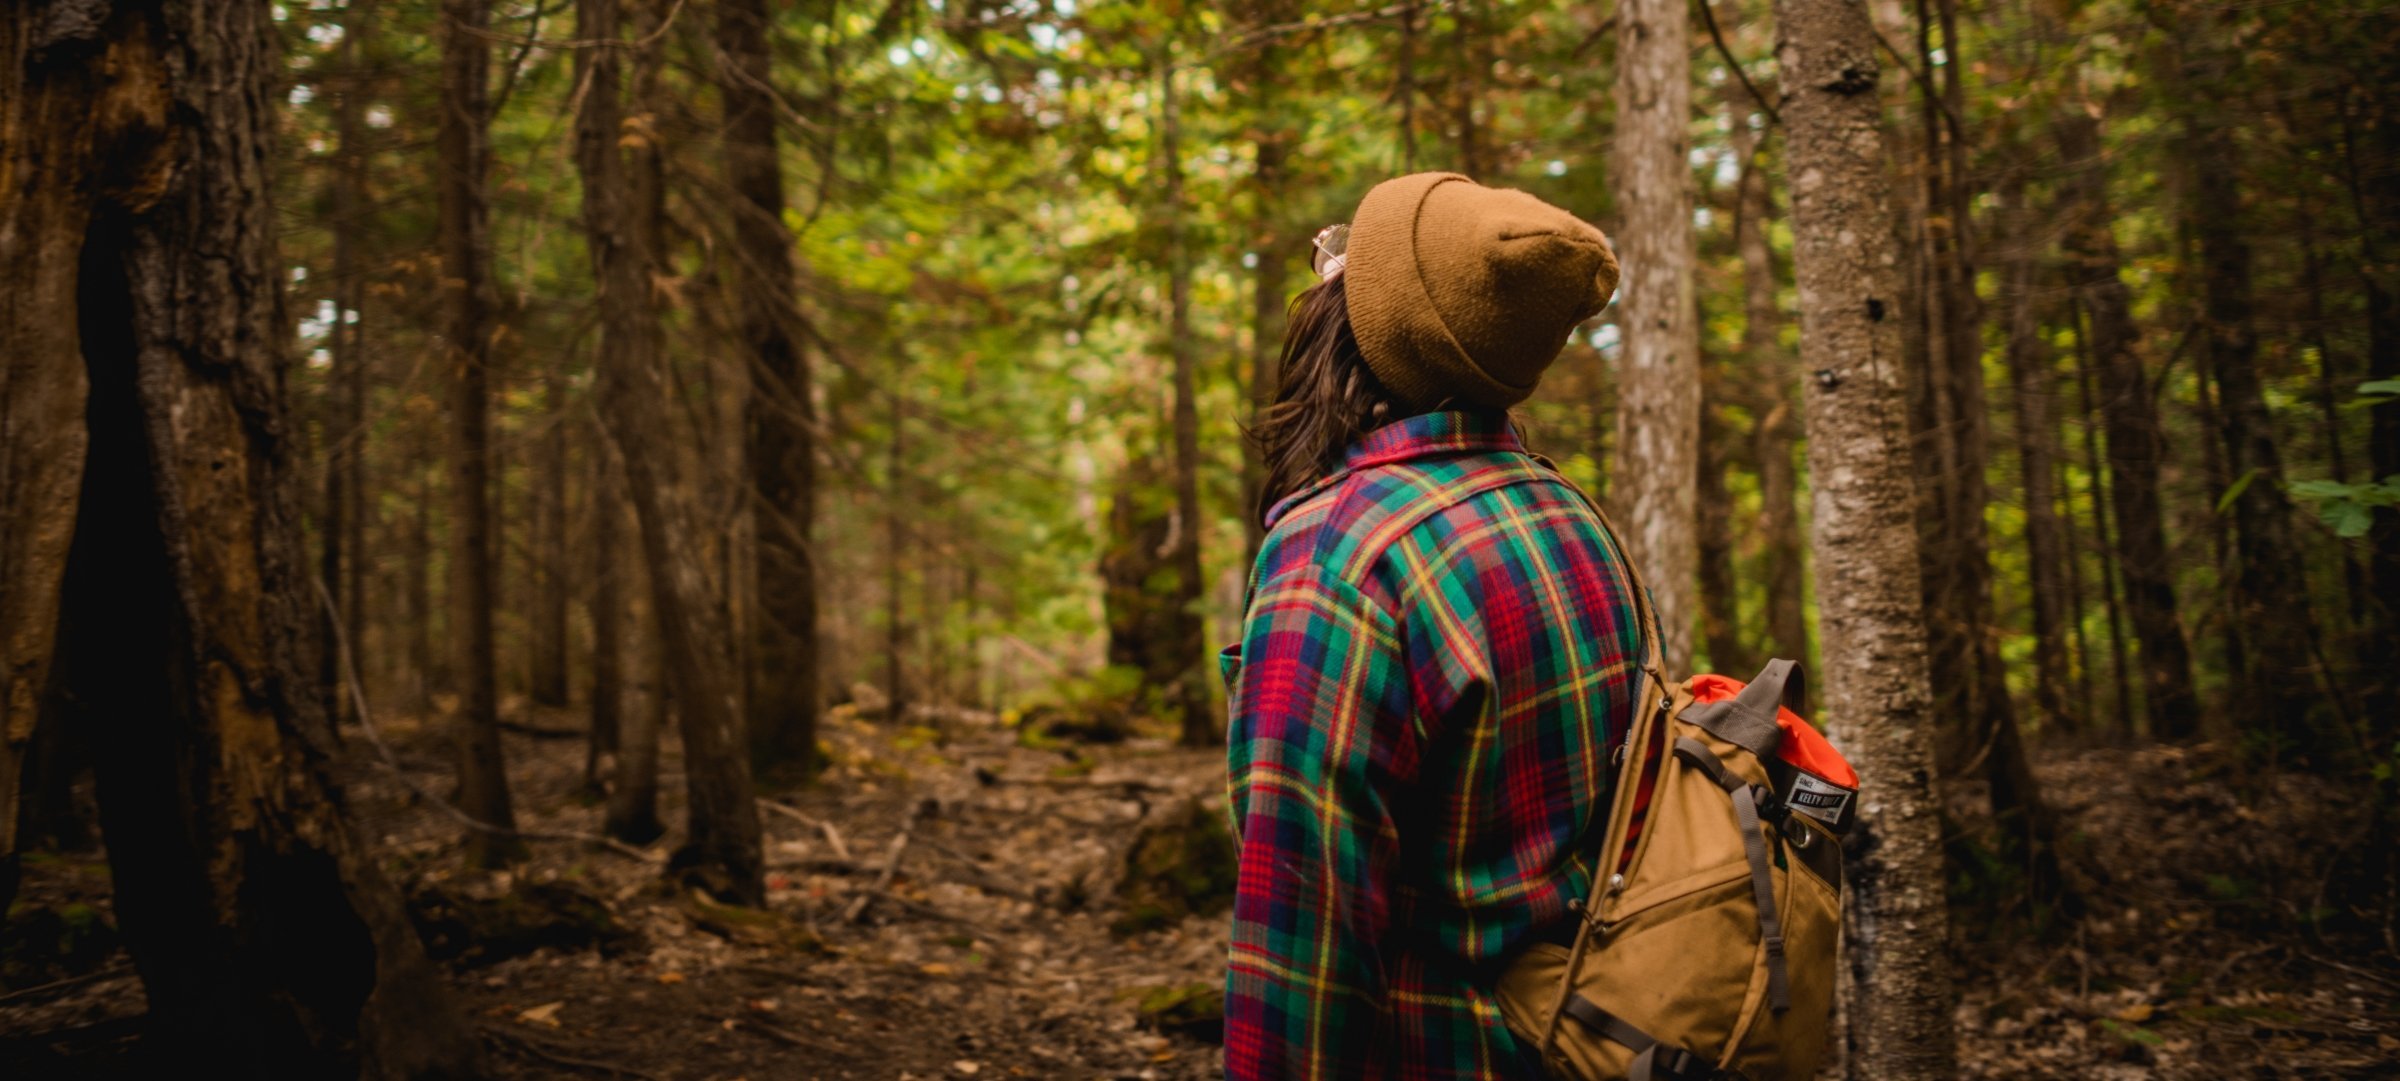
[2235, 490]
[2350, 519]
[2381, 387]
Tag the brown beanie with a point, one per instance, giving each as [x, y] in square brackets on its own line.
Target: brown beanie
[1459, 291]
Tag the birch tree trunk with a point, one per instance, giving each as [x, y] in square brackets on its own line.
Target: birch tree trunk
[1873, 626]
[1658, 398]
[267, 941]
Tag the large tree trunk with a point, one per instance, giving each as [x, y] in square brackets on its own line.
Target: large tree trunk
[722, 842]
[57, 112]
[1658, 397]
[2134, 444]
[1191, 686]
[467, 329]
[2271, 612]
[1899, 1018]
[268, 943]
[781, 421]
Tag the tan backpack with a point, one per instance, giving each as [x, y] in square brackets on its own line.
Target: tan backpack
[1708, 948]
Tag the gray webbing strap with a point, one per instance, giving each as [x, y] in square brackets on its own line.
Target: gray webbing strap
[1754, 846]
[1747, 720]
[1651, 1058]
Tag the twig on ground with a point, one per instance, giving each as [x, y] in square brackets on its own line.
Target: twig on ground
[891, 864]
[68, 984]
[833, 837]
[2328, 962]
[528, 1045]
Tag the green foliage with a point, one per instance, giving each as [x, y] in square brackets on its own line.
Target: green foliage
[2349, 509]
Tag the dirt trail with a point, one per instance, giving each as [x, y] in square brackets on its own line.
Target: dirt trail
[986, 949]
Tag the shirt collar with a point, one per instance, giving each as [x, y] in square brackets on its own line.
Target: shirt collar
[1426, 435]
[1429, 435]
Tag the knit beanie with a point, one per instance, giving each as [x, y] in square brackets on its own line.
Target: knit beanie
[1459, 291]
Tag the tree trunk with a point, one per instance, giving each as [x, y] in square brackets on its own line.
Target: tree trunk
[1191, 688]
[1270, 280]
[2134, 443]
[633, 804]
[551, 580]
[895, 551]
[48, 142]
[268, 942]
[467, 330]
[1899, 1018]
[2103, 540]
[345, 436]
[1775, 414]
[425, 666]
[2032, 384]
[1719, 603]
[603, 747]
[722, 843]
[781, 421]
[2270, 590]
[1658, 398]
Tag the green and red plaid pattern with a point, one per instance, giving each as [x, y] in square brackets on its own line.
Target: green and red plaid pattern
[1440, 646]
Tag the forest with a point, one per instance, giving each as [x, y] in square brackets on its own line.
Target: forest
[680, 539]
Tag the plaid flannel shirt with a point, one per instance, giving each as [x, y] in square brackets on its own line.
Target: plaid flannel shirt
[1439, 647]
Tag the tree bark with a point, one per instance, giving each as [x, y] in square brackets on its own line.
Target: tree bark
[1865, 541]
[467, 329]
[722, 842]
[2134, 443]
[1658, 398]
[267, 941]
[781, 416]
[58, 112]
[1192, 697]
[1274, 245]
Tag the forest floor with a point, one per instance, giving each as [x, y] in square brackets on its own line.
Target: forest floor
[941, 905]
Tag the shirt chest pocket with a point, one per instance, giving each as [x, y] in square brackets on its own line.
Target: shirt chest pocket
[1229, 665]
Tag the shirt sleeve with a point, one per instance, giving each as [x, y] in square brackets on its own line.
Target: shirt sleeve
[1320, 740]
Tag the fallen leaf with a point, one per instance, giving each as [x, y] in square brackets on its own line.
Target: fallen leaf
[670, 977]
[967, 1066]
[936, 969]
[544, 1014]
[2136, 1013]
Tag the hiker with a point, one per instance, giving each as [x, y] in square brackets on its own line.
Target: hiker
[1439, 646]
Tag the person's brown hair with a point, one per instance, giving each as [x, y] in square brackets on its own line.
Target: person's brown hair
[1325, 399]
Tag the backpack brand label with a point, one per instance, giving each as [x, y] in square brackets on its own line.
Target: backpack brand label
[1819, 799]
